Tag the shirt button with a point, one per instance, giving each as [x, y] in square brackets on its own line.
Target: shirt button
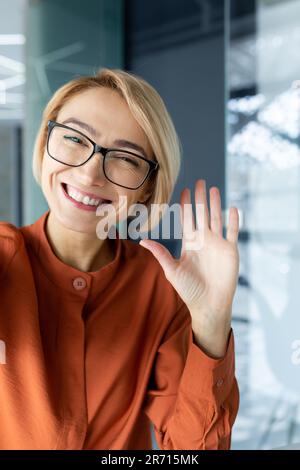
[79, 283]
[220, 382]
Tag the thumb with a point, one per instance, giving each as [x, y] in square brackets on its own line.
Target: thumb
[163, 256]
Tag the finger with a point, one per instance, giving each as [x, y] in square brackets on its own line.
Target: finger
[201, 205]
[216, 223]
[233, 225]
[187, 216]
[163, 256]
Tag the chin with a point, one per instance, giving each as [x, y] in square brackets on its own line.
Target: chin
[74, 222]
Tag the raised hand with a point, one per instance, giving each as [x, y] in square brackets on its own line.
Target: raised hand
[205, 276]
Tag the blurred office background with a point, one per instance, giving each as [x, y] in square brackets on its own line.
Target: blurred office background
[227, 70]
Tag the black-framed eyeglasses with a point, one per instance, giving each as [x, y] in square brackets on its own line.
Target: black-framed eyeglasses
[73, 148]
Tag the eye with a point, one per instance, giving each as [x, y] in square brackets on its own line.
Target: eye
[129, 160]
[75, 139]
[124, 158]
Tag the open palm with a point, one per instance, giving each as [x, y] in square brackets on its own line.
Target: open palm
[205, 275]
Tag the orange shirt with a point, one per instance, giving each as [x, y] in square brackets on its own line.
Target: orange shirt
[91, 358]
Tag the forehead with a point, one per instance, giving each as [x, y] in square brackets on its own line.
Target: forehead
[107, 112]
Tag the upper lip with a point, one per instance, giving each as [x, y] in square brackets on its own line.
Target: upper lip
[90, 195]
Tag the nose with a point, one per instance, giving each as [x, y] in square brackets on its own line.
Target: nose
[92, 171]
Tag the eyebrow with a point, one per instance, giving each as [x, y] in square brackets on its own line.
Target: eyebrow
[120, 142]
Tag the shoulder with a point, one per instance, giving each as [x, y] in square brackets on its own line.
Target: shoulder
[10, 237]
[11, 241]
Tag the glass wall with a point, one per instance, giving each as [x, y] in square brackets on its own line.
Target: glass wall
[12, 79]
[263, 179]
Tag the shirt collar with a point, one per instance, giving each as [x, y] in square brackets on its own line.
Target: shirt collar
[61, 274]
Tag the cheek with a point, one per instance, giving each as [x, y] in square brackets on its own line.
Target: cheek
[126, 200]
[132, 197]
[50, 171]
[45, 175]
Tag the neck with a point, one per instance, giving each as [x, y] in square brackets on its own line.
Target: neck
[82, 251]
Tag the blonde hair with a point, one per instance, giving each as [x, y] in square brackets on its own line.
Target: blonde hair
[148, 109]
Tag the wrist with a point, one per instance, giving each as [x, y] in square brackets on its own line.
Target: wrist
[213, 340]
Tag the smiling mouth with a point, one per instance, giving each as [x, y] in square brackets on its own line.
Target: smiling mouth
[83, 198]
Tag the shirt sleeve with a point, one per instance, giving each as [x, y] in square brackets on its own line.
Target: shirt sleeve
[192, 399]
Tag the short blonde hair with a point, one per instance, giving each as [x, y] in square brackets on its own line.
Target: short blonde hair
[148, 109]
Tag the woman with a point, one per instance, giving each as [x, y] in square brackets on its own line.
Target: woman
[101, 334]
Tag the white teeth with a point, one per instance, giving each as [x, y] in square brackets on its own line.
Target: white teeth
[81, 198]
[75, 195]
